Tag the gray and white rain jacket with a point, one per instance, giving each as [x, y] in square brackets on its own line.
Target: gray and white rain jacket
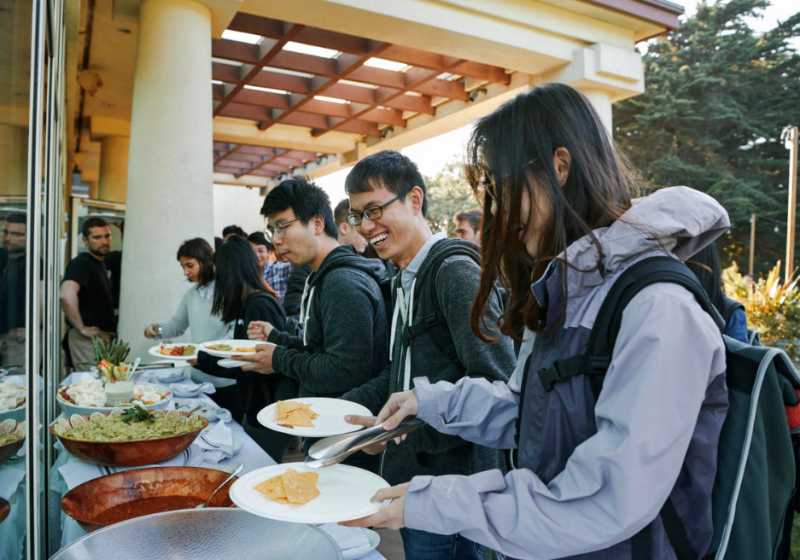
[590, 475]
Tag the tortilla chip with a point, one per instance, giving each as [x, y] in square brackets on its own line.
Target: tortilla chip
[300, 418]
[299, 490]
[290, 487]
[294, 413]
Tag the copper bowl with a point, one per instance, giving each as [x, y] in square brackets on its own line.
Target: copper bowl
[5, 509]
[89, 501]
[129, 453]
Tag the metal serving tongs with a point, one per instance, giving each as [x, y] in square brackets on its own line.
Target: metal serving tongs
[335, 449]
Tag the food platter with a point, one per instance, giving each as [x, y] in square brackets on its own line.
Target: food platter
[157, 351]
[230, 348]
[69, 407]
[124, 495]
[11, 448]
[344, 494]
[10, 405]
[127, 453]
[329, 422]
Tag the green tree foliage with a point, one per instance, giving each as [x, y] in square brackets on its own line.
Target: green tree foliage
[717, 97]
[448, 194]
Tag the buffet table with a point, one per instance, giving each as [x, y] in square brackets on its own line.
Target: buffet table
[68, 472]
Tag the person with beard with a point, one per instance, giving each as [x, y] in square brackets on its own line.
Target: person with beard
[13, 278]
[86, 293]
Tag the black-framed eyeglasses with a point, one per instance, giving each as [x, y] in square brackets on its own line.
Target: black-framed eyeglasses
[372, 212]
[278, 231]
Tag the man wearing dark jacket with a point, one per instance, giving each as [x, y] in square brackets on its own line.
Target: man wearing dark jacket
[345, 340]
[388, 204]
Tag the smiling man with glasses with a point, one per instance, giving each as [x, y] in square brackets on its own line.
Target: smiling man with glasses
[430, 331]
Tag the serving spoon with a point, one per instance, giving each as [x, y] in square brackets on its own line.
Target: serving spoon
[226, 481]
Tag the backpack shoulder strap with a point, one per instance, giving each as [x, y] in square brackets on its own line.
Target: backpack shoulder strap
[729, 308]
[604, 333]
[431, 318]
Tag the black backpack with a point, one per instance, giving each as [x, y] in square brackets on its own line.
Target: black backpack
[753, 498]
[431, 319]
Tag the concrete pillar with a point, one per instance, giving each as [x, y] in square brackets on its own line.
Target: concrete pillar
[170, 189]
[601, 100]
[114, 168]
[13, 160]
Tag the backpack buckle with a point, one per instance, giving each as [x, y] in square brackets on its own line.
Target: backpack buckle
[599, 364]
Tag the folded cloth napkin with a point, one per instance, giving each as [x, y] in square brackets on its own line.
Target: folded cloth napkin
[166, 375]
[352, 540]
[10, 477]
[76, 472]
[212, 447]
[190, 389]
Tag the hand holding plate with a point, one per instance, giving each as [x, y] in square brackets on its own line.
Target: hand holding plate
[391, 516]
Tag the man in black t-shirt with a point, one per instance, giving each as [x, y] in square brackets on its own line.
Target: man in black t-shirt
[86, 293]
[13, 276]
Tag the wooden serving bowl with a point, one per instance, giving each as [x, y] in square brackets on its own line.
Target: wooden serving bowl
[10, 449]
[5, 508]
[129, 453]
[87, 502]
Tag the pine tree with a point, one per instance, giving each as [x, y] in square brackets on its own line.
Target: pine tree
[448, 194]
[717, 98]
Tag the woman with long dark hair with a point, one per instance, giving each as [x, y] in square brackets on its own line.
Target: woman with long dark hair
[705, 265]
[592, 475]
[242, 296]
[194, 313]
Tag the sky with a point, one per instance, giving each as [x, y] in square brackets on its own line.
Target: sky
[433, 154]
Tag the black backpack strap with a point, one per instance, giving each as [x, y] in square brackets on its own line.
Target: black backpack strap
[596, 361]
[729, 308]
[431, 318]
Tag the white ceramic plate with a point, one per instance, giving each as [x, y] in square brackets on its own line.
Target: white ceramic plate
[374, 540]
[154, 351]
[345, 492]
[234, 344]
[69, 408]
[330, 421]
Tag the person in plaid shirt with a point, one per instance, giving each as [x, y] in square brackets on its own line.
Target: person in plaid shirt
[276, 272]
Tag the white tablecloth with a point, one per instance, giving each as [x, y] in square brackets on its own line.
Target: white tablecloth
[251, 455]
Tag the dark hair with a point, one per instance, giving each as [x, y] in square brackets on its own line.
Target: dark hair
[393, 169]
[341, 211]
[234, 230]
[259, 238]
[705, 265]
[92, 223]
[217, 242]
[199, 249]
[305, 199]
[17, 218]
[474, 218]
[512, 149]
[238, 275]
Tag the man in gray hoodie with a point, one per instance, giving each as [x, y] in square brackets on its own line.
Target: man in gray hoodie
[345, 340]
[388, 206]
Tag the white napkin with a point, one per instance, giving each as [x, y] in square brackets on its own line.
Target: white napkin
[190, 389]
[9, 481]
[214, 446]
[350, 539]
[76, 472]
[166, 375]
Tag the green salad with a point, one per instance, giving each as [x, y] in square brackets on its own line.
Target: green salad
[133, 424]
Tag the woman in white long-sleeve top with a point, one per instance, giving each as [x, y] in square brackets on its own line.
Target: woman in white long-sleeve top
[559, 229]
[194, 313]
